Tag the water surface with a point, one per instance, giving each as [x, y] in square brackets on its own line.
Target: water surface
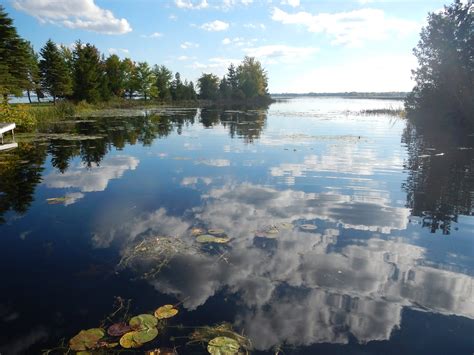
[386, 264]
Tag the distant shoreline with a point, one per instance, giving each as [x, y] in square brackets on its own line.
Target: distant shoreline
[348, 95]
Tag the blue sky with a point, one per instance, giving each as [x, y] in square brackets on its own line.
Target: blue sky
[305, 45]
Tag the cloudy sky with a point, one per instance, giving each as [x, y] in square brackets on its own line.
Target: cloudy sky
[305, 45]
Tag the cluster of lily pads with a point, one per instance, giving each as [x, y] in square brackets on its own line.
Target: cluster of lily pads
[220, 339]
[139, 330]
[213, 235]
[272, 231]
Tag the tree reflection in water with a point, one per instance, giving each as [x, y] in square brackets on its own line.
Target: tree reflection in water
[440, 184]
[20, 170]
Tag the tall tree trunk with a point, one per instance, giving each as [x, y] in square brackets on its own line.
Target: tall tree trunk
[29, 97]
[54, 100]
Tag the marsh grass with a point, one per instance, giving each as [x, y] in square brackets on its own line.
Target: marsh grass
[384, 111]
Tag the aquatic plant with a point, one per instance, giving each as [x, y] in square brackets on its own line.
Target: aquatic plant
[206, 334]
[86, 339]
[223, 346]
[151, 254]
[208, 238]
[166, 311]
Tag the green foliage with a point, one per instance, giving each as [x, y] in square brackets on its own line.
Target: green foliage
[223, 346]
[13, 58]
[130, 84]
[32, 71]
[87, 73]
[246, 82]
[444, 78]
[166, 311]
[115, 75]
[55, 75]
[86, 339]
[163, 78]
[144, 79]
[252, 78]
[19, 114]
[208, 87]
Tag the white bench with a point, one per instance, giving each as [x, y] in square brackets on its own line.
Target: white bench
[6, 127]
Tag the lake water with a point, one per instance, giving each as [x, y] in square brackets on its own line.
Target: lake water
[344, 233]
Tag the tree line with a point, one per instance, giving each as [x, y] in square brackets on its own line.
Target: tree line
[82, 73]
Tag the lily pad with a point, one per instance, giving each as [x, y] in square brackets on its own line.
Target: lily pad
[166, 311]
[128, 342]
[285, 225]
[223, 346]
[118, 329]
[207, 238]
[308, 227]
[86, 339]
[145, 335]
[143, 321]
[272, 230]
[162, 351]
[216, 231]
[197, 231]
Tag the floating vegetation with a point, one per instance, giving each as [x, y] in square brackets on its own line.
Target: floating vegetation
[86, 339]
[384, 111]
[162, 351]
[145, 335]
[285, 225]
[118, 329]
[127, 341]
[206, 334]
[56, 200]
[223, 346]
[197, 231]
[208, 238]
[64, 137]
[272, 231]
[216, 231]
[308, 227]
[140, 329]
[166, 311]
[143, 321]
[150, 255]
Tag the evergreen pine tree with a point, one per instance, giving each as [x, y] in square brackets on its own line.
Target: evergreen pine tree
[55, 78]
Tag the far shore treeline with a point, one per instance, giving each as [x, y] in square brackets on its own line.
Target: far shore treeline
[82, 74]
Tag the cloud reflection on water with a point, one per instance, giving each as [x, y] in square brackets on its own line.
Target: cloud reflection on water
[303, 288]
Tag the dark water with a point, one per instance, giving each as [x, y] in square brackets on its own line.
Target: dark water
[387, 268]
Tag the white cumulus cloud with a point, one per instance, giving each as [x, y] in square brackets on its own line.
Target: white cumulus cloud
[76, 14]
[187, 45]
[293, 3]
[350, 28]
[118, 51]
[215, 26]
[191, 5]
